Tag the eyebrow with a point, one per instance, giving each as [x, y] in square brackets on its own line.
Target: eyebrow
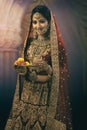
[42, 20]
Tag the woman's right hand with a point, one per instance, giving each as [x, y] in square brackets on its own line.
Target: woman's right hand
[22, 70]
[21, 65]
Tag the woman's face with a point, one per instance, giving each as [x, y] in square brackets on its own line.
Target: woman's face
[39, 24]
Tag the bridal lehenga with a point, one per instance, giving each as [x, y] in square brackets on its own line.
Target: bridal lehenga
[44, 106]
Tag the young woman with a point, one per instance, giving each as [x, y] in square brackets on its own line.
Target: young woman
[43, 103]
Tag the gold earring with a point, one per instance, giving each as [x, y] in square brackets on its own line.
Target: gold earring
[34, 34]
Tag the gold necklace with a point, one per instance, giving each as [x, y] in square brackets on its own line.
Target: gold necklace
[41, 42]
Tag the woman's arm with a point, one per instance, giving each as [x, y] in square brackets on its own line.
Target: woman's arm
[43, 78]
[38, 77]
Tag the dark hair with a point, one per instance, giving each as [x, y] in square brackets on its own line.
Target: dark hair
[43, 10]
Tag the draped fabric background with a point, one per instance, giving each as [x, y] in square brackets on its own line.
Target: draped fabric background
[72, 22]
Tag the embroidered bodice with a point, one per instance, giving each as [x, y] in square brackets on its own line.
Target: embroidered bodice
[39, 50]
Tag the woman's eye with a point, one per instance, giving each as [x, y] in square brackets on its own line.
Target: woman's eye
[34, 22]
[42, 21]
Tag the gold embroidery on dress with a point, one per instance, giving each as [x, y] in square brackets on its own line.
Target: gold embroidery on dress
[38, 49]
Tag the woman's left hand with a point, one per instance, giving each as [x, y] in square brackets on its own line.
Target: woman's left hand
[40, 63]
[43, 66]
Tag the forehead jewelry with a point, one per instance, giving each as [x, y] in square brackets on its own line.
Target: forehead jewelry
[37, 15]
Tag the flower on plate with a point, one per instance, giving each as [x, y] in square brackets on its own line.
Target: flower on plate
[21, 62]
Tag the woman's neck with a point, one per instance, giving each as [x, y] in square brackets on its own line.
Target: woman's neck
[41, 38]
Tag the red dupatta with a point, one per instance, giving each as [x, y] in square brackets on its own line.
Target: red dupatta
[63, 111]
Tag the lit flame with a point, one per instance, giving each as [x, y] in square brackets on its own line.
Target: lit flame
[10, 23]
